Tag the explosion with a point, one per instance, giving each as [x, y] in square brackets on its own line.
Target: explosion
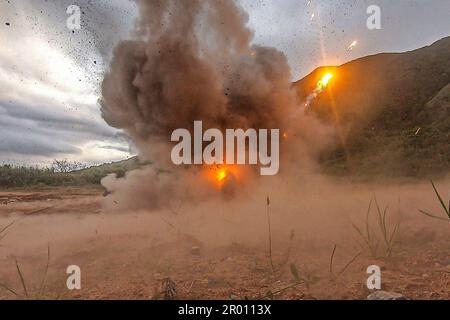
[222, 175]
[323, 83]
[175, 72]
[219, 175]
[320, 87]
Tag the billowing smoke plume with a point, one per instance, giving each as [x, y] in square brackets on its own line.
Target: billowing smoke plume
[193, 60]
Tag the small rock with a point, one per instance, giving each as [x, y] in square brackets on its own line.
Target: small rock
[385, 295]
[213, 282]
[435, 295]
[8, 24]
[233, 296]
[195, 251]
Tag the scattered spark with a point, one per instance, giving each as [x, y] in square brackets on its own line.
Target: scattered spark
[352, 45]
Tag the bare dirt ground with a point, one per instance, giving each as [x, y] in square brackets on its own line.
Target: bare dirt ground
[122, 257]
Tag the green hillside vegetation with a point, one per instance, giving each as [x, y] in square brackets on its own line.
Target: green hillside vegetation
[30, 177]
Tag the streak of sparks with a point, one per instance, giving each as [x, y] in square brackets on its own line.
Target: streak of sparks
[352, 45]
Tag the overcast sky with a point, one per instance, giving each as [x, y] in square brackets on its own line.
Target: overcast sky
[49, 76]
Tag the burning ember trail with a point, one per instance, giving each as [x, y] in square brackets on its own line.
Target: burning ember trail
[352, 45]
[320, 87]
[323, 83]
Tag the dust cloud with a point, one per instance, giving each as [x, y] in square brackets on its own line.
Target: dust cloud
[193, 60]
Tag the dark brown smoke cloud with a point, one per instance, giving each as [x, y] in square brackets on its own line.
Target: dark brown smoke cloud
[193, 60]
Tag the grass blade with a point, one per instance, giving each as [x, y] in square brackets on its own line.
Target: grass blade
[332, 258]
[270, 235]
[22, 280]
[295, 273]
[367, 220]
[349, 263]
[433, 216]
[9, 289]
[44, 278]
[441, 200]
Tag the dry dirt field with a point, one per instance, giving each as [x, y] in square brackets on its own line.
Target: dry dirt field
[129, 256]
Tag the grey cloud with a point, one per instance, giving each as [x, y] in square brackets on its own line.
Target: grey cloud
[111, 147]
[34, 133]
[57, 120]
[22, 142]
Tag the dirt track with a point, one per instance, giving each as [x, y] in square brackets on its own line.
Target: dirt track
[120, 258]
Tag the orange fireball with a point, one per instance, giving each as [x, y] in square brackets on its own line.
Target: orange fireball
[219, 174]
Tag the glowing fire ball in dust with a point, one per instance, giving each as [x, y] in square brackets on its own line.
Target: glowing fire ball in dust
[224, 178]
[221, 175]
[323, 83]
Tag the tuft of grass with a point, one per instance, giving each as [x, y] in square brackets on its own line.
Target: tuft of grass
[270, 247]
[288, 250]
[298, 280]
[366, 236]
[169, 289]
[26, 293]
[381, 240]
[443, 205]
[334, 276]
[388, 237]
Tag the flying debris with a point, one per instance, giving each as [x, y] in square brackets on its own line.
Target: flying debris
[312, 16]
[352, 45]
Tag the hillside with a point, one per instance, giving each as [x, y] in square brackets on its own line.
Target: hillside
[392, 112]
